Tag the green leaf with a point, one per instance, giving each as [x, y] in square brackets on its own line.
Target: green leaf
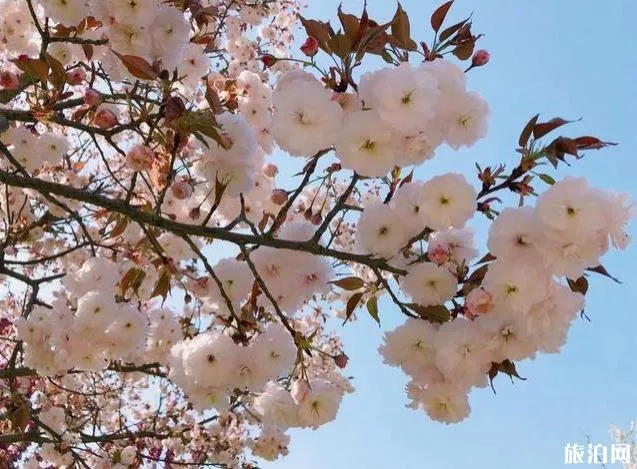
[202, 122]
[372, 308]
[386, 57]
[349, 283]
[547, 179]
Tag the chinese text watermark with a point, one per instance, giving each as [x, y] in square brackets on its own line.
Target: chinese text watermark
[597, 454]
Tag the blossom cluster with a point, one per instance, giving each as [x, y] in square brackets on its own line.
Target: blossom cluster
[398, 117]
[521, 307]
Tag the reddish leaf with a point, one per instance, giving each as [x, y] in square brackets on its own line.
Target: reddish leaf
[400, 30]
[488, 257]
[36, 68]
[407, 179]
[591, 143]
[540, 130]
[600, 269]
[528, 129]
[137, 66]
[352, 303]
[464, 50]
[319, 31]
[162, 287]
[451, 30]
[578, 286]
[351, 24]
[439, 15]
[58, 73]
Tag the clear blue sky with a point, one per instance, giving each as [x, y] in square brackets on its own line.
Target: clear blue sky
[568, 58]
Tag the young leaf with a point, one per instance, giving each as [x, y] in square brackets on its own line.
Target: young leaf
[547, 179]
[437, 313]
[36, 68]
[58, 73]
[319, 31]
[528, 129]
[137, 66]
[600, 269]
[372, 308]
[400, 30]
[451, 30]
[352, 303]
[540, 130]
[162, 287]
[439, 15]
[349, 283]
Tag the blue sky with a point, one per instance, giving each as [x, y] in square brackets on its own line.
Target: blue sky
[568, 58]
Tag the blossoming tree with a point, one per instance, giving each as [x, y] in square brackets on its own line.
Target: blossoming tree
[135, 142]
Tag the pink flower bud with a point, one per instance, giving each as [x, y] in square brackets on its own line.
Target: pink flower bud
[270, 170]
[480, 57]
[299, 391]
[9, 80]
[478, 302]
[279, 196]
[316, 219]
[181, 190]
[341, 360]
[140, 158]
[76, 76]
[104, 119]
[310, 47]
[92, 97]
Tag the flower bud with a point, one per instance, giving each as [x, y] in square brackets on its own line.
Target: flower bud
[9, 80]
[279, 196]
[140, 158]
[341, 360]
[104, 119]
[270, 170]
[299, 391]
[76, 76]
[92, 97]
[181, 190]
[310, 47]
[268, 60]
[316, 219]
[480, 57]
